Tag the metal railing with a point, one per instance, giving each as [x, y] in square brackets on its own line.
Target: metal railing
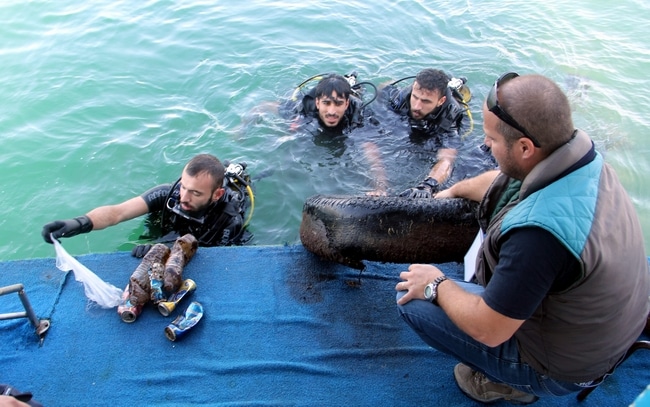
[40, 325]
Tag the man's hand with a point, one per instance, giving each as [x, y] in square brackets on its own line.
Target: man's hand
[445, 193]
[140, 250]
[377, 192]
[425, 189]
[414, 280]
[10, 401]
[66, 228]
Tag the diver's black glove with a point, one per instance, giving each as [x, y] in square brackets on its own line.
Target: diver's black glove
[425, 189]
[67, 228]
[140, 250]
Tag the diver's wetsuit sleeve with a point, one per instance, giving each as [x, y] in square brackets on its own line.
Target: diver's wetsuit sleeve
[355, 114]
[155, 197]
[449, 137]
[309, 104]
[304, 106]
[397, 99]
[450, 120]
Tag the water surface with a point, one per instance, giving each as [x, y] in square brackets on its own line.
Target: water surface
[102, 100]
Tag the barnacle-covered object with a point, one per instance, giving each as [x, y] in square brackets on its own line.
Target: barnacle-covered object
[139, 283]
[181, 253]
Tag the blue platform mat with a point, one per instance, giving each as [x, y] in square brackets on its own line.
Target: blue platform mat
[281, 328]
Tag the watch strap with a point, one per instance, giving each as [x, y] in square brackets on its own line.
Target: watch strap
[436, 283]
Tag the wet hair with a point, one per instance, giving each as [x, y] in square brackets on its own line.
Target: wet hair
[208, 164]
[433, 80]
[333, 83]
[541, 107]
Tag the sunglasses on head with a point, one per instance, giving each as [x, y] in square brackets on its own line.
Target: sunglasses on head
[494, 107]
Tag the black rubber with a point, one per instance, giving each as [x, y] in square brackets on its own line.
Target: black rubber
[349, 229]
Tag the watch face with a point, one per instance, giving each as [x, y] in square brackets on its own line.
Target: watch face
[428, 291]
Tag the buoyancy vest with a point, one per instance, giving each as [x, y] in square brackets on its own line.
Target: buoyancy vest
[581, 333]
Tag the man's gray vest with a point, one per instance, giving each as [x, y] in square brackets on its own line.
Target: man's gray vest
[579, 334]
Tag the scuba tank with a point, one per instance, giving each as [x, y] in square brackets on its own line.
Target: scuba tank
[352, 80]
[460, 90]
[237, 178]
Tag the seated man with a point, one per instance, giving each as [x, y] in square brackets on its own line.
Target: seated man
[562, 271]
[199, 203]
[434, 115]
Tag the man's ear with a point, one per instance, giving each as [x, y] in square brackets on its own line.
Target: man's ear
[527, 147]
[217, 194]
[442, 100]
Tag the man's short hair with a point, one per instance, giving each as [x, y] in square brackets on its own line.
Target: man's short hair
[333, 83]
[433, 80]
[209, 164]
[541, 107]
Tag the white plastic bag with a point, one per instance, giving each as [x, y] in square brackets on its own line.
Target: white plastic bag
[96, 289]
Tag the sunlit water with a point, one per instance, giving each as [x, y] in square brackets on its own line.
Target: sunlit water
[103, 99]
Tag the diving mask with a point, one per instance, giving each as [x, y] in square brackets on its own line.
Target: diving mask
[174, 205]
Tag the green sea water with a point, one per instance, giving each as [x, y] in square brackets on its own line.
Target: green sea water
[100, 100]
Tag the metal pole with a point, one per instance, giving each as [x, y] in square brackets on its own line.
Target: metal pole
[40, 325]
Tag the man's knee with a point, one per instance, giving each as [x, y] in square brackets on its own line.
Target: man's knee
[422, 315]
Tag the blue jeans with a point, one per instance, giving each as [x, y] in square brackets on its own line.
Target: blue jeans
[502, 364]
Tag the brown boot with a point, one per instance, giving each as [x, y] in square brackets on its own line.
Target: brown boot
[478, 387]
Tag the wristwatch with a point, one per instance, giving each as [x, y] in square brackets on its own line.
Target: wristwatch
[431, 290]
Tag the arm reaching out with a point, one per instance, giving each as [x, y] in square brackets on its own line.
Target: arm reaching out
[376, 169]
[440, 172]
[471, 188]
[98, 218]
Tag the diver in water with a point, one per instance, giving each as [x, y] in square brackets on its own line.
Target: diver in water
[335, 106]
[208, 201]
[332, 105]
[435, 117]
[326, 106]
